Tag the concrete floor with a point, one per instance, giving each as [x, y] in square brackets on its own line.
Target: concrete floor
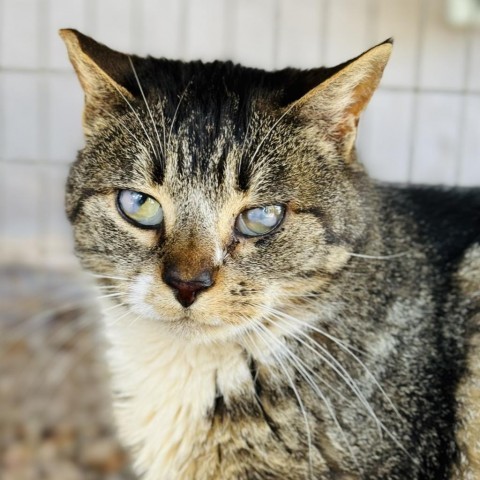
[55, 421]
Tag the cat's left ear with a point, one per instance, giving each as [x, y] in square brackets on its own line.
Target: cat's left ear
[336, 104]
[105, 75]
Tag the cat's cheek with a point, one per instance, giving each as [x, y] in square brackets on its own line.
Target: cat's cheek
[337, 259]
[150, 298]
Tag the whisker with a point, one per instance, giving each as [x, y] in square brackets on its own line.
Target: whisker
[303, 369]
[265, 137]
[120, 121]
[349, 380]
[342, 343]
[252, 347]
[338, 368]
[113, 307]
[176, 111]
[117, 320]
[297, 395]
[146, 104]
[308, 367]
[379, 257]
[108, 295]
[245, 142]
[137, 116]
[107, 277]
[132, 323]
[347, 349]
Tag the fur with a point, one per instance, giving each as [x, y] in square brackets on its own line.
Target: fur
[341, 345]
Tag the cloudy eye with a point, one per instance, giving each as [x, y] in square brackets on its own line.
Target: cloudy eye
[141, 209]
[259, 221]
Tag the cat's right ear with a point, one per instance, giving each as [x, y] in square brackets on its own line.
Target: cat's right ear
[103, 73]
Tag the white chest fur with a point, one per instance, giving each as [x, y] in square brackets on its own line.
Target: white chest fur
[163, 392]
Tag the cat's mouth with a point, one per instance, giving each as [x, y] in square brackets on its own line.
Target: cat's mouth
[185, 324]
[200, 330]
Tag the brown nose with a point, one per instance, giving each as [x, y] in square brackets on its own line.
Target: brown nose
[186, 290]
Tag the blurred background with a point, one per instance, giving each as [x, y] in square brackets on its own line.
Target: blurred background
[423, 126]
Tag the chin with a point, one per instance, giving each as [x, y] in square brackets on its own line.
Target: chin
[188, 326]
[204, 333]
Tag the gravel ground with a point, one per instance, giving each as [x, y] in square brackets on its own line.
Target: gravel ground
[55, 420]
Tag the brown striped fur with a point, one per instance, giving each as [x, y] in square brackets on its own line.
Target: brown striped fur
[343, 344]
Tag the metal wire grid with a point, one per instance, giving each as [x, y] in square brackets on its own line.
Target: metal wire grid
[44, 173]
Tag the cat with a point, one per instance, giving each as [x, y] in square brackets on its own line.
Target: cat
[271, 311]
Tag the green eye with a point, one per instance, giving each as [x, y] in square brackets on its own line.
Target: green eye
[260, 221]
[139, 208]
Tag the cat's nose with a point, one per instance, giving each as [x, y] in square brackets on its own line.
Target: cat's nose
[187, 289]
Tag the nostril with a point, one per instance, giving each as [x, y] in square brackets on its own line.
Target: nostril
[186, 290]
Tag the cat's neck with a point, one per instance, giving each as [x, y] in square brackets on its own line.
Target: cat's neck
[165, 391]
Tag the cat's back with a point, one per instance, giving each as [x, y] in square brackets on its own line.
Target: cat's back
[445, 219]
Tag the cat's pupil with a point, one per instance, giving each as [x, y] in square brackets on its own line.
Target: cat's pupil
[139, 198]
[266, 215]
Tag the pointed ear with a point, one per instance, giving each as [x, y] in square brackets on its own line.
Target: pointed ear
[105, 75]
[336, 104]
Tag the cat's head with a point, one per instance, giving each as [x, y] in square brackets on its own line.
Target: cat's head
[217, 195]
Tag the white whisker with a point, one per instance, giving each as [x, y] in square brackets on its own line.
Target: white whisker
[303, 369]
[107, 277]
[265, 137]
[337, 367]
[379, 257]
[176, 111]
[134, 320]
[162, 150]
[109, 295]
[113, 307]
[137, 116]
[121, 317]
[122, 124]
[349, 380]
[296, 393]
[347, 349]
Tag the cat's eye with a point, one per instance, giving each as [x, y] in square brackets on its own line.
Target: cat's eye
[140, 209]
[260, 221]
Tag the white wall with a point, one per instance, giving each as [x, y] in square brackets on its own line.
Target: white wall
[423, 125]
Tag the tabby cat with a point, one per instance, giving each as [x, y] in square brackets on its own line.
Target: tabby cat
[272, 313]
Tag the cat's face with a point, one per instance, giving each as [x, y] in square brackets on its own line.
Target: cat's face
[218, 196]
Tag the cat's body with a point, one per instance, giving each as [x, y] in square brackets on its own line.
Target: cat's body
[334, 345]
